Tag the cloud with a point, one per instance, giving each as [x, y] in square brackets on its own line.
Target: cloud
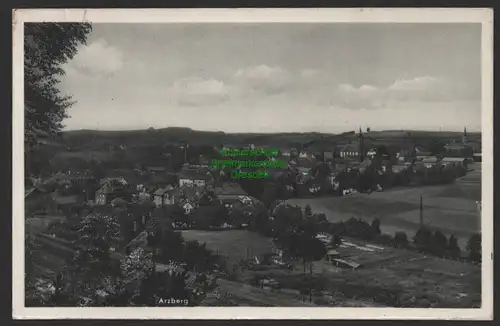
[425, 88]
[197, 91]
[96, 59]
[265, 79]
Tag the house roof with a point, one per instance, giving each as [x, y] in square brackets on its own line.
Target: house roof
[453, 159]
[429, 159]
[350, 148]
[348, 263]
[192, 193]
[108, 189]
[303, 162]
[66, 200]
[228, 188]
[161, 191]
[332, 252]
[194, 175]
[366, 163]
[399, 168]
[119, 202]
[156, 168]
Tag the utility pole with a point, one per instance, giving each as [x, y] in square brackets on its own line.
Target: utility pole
[421, 212]
[310, 281]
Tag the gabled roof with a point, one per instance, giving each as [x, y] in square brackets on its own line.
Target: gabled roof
[350, 148]
[453, 159]
[303, 162]
[230, 189]
[66, 200]
[119, 202]
[194, 175]
[161, 191]
[108, 188]
[192, 193]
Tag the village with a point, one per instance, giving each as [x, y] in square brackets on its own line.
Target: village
[251, 228]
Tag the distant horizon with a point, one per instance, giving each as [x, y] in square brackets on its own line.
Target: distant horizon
[281, 132]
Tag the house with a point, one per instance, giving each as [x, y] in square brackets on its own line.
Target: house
[108, 192]
[229, 193]
[118, 202]
[351, 151]
[302, 165]
[306, 154]
[371, 153]
[428, 162]
[455, 161]
[399, 168]
[364, 165]
[67, 204]
[145, 192]
[165, 195]
[189, 198]
[156, 169]
[458, 150]
[193, 178]
[114, 180]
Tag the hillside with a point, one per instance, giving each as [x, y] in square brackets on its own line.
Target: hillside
[186, 135]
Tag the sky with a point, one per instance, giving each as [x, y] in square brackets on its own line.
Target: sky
[301, 77]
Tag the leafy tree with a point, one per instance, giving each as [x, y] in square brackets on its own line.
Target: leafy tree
[423, 239]
[440, 243]
[92, 265]
[198, 257]
[136, 268]
[336, 241]
[376, 226]
[286, 218]
[474, 247]
[47, 46]
[307, 211]
[400, 239]
[453, 248]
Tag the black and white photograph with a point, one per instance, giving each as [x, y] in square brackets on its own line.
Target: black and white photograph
[328, 159]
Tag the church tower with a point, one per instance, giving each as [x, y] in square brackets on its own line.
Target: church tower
[361, 145]
[464, 136]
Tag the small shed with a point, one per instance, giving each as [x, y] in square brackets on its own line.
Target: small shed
[332, 255]
[346, 264]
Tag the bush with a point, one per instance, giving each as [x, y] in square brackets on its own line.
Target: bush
[385, 239]
[400, 240]
[423, 239]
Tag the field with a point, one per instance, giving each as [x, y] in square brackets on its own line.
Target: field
[392, 277]
[446, 283]
[235, 244]
[449, 208]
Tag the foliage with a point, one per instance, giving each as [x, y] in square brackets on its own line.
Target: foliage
[440, 243]
[135, 268]
[198, 257]
[453, 248]
[47, 46]
[307, 211]
[400, 239]
[92, 263]
[423, 239]
[375, 226]
[474, 247]
[360, 229]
